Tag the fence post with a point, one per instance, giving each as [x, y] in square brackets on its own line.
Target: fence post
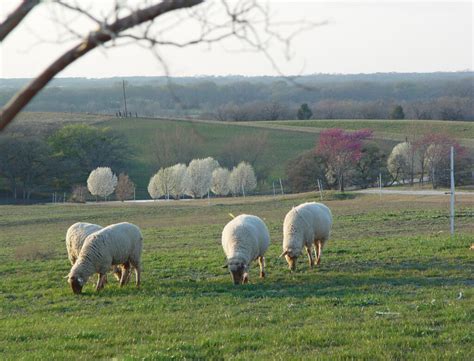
[380, 185]
[320, 187]
[273, 183]
[452, 192]
[281, 187]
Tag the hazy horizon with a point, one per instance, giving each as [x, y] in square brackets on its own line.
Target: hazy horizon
[360, 37]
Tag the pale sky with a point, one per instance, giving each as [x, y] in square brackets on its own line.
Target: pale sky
[359, 37]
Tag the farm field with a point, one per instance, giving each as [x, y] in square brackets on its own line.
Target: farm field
[392, 285]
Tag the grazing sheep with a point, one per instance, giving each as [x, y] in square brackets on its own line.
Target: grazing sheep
[75, 237]
[117, 244]
[304, 225]
[245, 239]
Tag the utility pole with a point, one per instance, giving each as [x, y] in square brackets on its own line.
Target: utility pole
[124, 98]
[452, 192]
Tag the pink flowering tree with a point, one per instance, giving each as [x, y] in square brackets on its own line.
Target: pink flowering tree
[341, 151]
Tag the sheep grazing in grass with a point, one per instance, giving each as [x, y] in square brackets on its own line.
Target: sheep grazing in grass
[117, 244]
[75, 237]
[245, 239]
[304, 225]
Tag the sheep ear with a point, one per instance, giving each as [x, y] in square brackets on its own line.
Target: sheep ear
[224, 266]
[283, 254]
[67, 276]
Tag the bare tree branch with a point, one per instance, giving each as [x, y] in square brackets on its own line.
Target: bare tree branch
[94, 39]
[16, 17]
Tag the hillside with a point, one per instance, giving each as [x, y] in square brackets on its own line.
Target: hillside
[281, 141]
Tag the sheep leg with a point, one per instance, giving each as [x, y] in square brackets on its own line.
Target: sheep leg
[125, 274]
[316, 250]
[117, 271]
[320, 252]
[101, 281]
[310, 257]
[261, 262]
[137, 276]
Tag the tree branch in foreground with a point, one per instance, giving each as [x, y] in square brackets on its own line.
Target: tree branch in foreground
[94, 39]
[16, 17]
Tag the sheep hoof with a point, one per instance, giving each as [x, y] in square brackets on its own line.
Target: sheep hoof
[262, 274]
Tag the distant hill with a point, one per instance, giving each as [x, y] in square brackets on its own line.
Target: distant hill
[440, 95]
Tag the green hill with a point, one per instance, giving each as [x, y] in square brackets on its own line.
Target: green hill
[281, 145]
[281, 140]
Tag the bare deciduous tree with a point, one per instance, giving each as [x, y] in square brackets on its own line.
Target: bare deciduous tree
[182, 145]
[125, 187]
[249, 148]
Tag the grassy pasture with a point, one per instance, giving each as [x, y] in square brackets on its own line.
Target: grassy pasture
[457, 129]
[141, 132]
[392, 285]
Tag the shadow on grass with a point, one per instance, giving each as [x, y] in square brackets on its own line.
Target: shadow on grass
[333, 280]
[337, 286]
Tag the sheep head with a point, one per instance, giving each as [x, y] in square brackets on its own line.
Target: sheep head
[76, 283]
[290, 259]
[238, 271]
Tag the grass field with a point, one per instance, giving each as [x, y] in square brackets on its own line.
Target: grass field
[392, 285]
[457, 129]
[282, 145]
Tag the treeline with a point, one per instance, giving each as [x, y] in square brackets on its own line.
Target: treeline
[343, 159]
[35, 164]
[446, 96]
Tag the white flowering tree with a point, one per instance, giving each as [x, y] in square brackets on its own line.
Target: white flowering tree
[101, 182]
[220, 181]
[178, 177]
[242, 179]
[403, 162]
[161, 184]
[199, 176]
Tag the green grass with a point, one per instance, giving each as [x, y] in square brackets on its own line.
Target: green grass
[388, 288]
[141, 132]
[457, 129]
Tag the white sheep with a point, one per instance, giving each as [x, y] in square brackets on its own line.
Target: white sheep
[117, 244]
[245, 239]
[304, 225]
[75, 237]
